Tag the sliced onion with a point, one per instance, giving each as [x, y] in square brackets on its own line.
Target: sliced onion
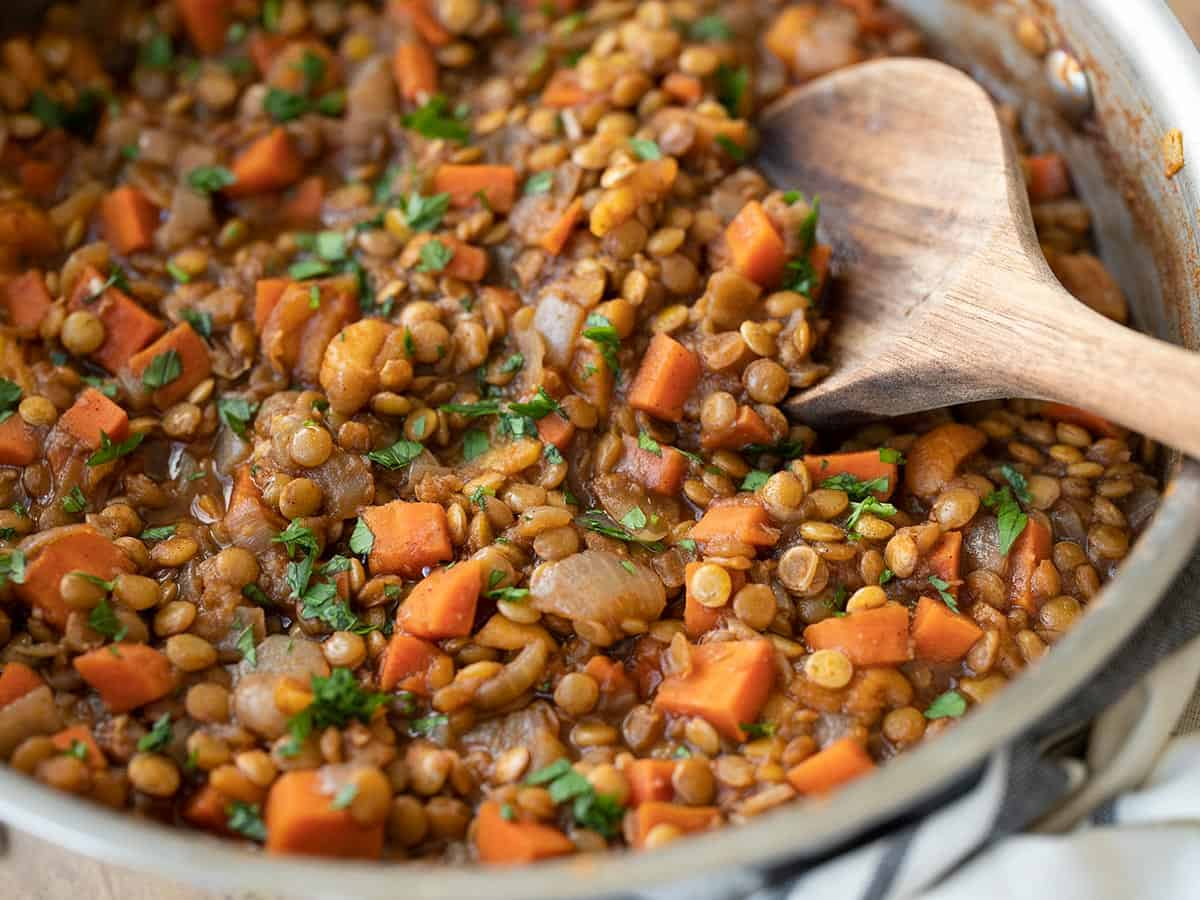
[598, 587]
[254, 705]
[1140, 506]
[535, 727]
[282, 655]
[620, 496]
[33, 714]
[981, 546]
[560, 322]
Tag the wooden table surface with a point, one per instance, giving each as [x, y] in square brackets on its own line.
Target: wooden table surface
[31, 869]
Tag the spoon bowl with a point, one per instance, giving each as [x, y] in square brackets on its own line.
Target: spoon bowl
[944, 294]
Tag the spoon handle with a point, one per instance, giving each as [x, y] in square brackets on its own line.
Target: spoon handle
[1063, 351]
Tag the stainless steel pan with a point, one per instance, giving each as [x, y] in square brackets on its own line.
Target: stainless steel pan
[1140, 77]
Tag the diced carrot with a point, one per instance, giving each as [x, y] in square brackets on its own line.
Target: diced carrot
[748, 428]
[610, 676]
[1033, 545]
[559, 233]
[300, 324]
[554, 429]
[269, 164]
[250, 523]
[127, 327]
[865, 465]
[755, 245]
[940, 635]
[92, 413]
[819, 258]
[501, 842]
[126, 676]
[301, 818]
[418, 14]
[16, 681]
[650, 781]
[590, 376]
[687, 819]
[408, 537]
[264, 47]
[415, 70]
[1073, 415]
[684, 88]
[711, 131]
[935, 456]
[789, 31]
[27, 301]
[839, 763]
[746, 524]
[869, 637]
[662, 472]
[18, 442]
[464, 183]
[27, 229]
[207, 809]
[129, 220]
[267, 292]
[563, 90]
[207, 22]
[666, 378]
[945, 559]
[406, 662]
[443, 604]
[697, 618]
[1047, 177]
[727, 685]
[195, 364]
[290, 72]
[39, 178]
[66, 738]
[469, 263]
[75, 548]
[303, 207]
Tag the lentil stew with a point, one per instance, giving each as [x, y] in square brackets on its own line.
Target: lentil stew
[391, 454]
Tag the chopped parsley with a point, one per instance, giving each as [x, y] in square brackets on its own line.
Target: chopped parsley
[210, 179]
[755, 479]
[109, 451]
[297, 538]
[473, 410]
[397, 456]
[201, 322]
[12, 567]
[78, 749]
[731, 88]
[539, 183]
[635, 519]
[599, 521]
[553, 454]
[74, 502]
[479, 496]
[425, 213]
[868, 505]
[539, 407]
[512, 364]
[649, 444]
[246, 820]
[237, 413]
[854, 487]
[801, 277]
[885, 576]
[475, 444]
[158, 533]
[709, 28]
[157, 52]
[600, 812]
[104, 621]
[735, 150]
[337, 700]
[890, 455]
[1017, 482]
[949, 705]
[435, 119]
[309, 268]
[163, 369]
[344, 796]
[943, 588]
[1011, 521]
[435, 256]
[246, 646]
[427, 725]
[158, 737]
[603, 333]
[362, 539]
[755, 730]
[645, 149]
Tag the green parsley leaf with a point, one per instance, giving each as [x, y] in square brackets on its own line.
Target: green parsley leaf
[158, 533]
[312, 69]
[479, 496]
[74, 502]
[871, 505]
[210, 179]
[271, 11]
[1010, 520]
[512, 364]
[890, 455]
[943, 589]
[790, 197]
[236, 33]
[82, 119]
[475, 444]
[103, 620]
[885, 576]
[731, 89]
[649, 444]
[337, 700]
[330, 245]
[362, 539]
[602, 331]
[107, 388]
[854, 487]
[237, 413]
[549, 773]
[201, 322]
[158, 737]
[755, 730]
[808, 227]
[509, 594]
[10, 398]
[645, 149]
[687, 544]
[1017, 481]
[553, 454]
[163, 369]
[425, 213]
[434, 119]
[755, 479]
[635, 519]
[435, 256]
[507, 813]
[473, 410]
[397, 456]
[539, 183]
[427, 725]
[12, 567]
[709, 28]
[157, 52]
[297, 537]
[246, 820]
[78, 749]
[255, 594]
[345, 796]
[949, 705]
[109, 451]
[309, 268]
[284, 106]
[598, 520]
[539, 407]
[247, 647]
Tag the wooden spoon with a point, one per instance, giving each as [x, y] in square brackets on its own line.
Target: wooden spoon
[945, 295]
